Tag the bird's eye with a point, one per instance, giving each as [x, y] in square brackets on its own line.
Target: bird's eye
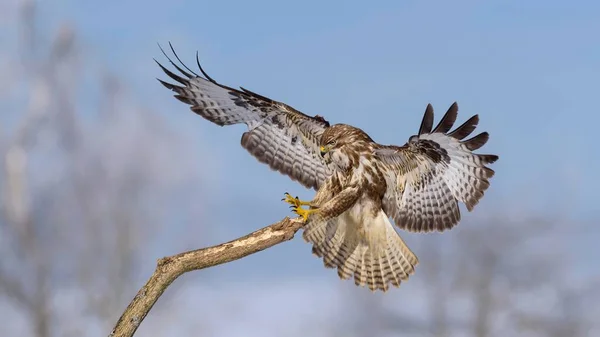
[332, 143]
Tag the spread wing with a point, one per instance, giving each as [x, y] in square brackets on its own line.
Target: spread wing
[278, 135]
[430, 174]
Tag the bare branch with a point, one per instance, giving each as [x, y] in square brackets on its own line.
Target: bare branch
[170, 268]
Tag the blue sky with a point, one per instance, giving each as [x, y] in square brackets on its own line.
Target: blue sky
[528, 68]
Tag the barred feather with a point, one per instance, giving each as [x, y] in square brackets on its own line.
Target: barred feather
[429, 175]
[364, 247]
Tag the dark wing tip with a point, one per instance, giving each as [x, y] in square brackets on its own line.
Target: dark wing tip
[488, 158]
[427, 122]
[190, 74]
[172, 75]
[169, 85]
[187, 74]
[477, 141]
[183, 64]
[466, 128]
[202, 69]
[448, 120]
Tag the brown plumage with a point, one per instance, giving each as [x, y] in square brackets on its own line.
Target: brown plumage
[360, 184]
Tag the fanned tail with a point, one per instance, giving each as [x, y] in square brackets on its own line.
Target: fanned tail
[371, 252]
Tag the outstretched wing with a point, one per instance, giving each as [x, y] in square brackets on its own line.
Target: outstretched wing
[430, 174]
[278, 135]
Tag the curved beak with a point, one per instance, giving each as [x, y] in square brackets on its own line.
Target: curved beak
[322, 150]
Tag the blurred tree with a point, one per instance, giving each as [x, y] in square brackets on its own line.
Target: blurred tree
[79, 186]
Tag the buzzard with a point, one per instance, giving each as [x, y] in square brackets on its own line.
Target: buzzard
[360, 184]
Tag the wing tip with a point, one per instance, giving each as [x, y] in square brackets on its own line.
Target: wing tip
[190, 74]
[447, 121]
[476, 142]
[427, 121]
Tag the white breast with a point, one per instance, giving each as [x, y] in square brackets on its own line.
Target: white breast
[369, 227]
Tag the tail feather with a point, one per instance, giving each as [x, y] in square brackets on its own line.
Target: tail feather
[391, 261]
[360, 274]
[346, 268]
[375, 259]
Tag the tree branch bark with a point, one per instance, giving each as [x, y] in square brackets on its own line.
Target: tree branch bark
[171, 267]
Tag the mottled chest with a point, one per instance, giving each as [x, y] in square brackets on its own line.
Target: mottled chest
[370, 178]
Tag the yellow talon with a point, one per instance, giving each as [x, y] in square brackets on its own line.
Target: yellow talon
[304, 213]
[296, 206]
[294, 201]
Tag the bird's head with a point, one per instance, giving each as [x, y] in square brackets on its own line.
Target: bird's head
[342, 145]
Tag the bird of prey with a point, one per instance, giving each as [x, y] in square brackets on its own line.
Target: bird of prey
[360, 184]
